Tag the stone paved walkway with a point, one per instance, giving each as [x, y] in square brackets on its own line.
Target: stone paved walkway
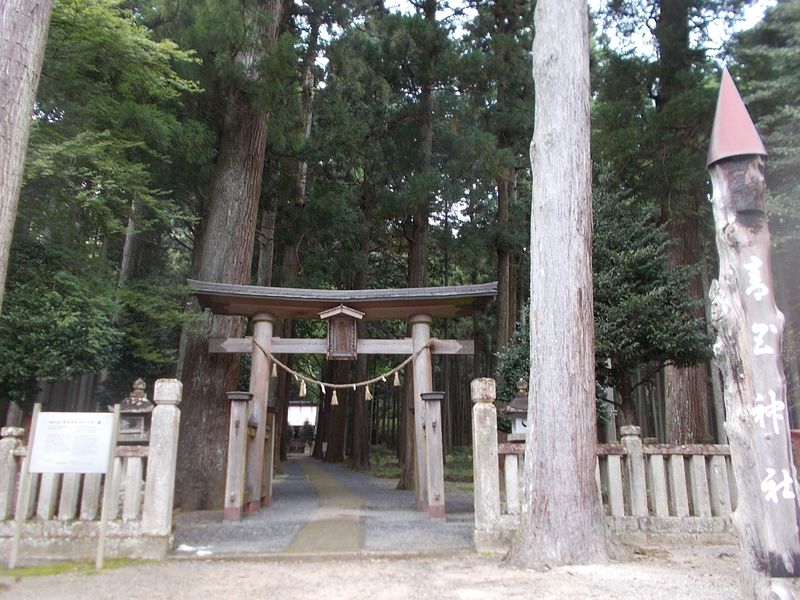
[329, 510]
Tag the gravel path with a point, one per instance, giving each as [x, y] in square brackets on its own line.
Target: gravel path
[708, 573]
[392, 551]
[388, 523]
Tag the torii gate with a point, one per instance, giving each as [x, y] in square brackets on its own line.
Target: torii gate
[249, 477]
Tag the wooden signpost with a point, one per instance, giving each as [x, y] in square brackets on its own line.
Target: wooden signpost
[748, 351]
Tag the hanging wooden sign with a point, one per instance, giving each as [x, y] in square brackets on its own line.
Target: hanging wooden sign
[342, 332]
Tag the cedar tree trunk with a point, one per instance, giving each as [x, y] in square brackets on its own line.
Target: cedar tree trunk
[226, 257]
[562, 521]
[23, 35]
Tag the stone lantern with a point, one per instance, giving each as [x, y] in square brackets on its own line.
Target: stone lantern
[517, 411]
[135, 414]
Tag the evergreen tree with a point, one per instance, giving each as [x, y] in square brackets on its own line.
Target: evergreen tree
[495, 72]
[656, 130]
[106, 121]
[643, 318]
[766, 63]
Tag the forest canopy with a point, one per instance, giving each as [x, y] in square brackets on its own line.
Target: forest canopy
[395, 140]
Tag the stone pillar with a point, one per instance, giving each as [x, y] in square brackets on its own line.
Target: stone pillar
[486, 469]
[12, 439]
[162, 458]
[260, 371]
[636, 487]
[433, 452]
[423, 382]
[237, 456]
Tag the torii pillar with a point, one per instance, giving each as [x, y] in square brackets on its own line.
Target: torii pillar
[427, 424]
[259, 448]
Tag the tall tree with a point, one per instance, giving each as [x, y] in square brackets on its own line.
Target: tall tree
[104, 129]
[766, 63]
[670, 123]
[562, 522]
[687, 399]
[225, 255]
[23, 35]
[643, 317]
[642, 314]
[502, 96]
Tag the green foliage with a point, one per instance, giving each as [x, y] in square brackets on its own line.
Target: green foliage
[150, 318]
[767, 66]
[514, 363]
[106, 110]
[644, 319]
[109, 125]
[306, 433]
[56, 324]
[125, 117]
[383, 462]
[458, 465]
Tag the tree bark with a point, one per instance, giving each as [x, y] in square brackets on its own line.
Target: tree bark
[337, 415]
[405, 441]
[562, 521]
[307, 84]
[266, 247]
[130, 247]
[360, 433]
[226, 257]
[418, 246]
[748, 349]
[505, 320]
[785, 294]
[23, 36]
[687, 399]
[290, 270]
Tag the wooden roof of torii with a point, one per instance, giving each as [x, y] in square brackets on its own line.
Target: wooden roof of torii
[299, 303]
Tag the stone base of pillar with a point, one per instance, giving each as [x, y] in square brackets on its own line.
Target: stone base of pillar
[232, 513]
[437, 512]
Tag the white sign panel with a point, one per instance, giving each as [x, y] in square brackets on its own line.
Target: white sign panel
[71, 443]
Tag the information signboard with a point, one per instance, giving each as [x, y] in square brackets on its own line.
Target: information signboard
[71, 443]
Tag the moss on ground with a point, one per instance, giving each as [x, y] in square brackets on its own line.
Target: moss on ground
[59, 568]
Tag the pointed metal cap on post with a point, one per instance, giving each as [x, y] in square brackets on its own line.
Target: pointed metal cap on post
[733, 133]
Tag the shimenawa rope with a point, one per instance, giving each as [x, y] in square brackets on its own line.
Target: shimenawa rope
[342, 386]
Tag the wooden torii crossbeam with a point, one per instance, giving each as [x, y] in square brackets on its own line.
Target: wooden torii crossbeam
[249, 478]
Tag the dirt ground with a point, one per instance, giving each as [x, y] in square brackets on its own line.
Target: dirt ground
[665, 572]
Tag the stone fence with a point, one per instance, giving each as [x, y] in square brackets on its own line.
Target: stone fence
[649, 491]
[62, 520]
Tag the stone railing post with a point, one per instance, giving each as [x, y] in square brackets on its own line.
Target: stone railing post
[162, 458]
[12, 439]
[634, 470]
[486, 469]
